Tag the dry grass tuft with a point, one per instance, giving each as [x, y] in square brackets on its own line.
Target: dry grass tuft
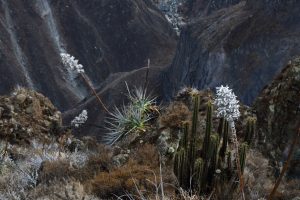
[55, 170]
[175, 115]
[147, 155]
[122, 180]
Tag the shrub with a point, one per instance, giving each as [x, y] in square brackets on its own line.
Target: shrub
[175, 115]
[55, 170]
[123, 180]
[147, 155]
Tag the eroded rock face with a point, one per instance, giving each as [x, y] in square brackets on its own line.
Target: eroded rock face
[278, 111]
[205, 7]
[107, 36]
[243, 46]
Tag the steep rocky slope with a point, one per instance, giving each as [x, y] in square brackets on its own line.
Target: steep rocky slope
[107, 36]
[196, 8]
[278, 112]
[244, 46]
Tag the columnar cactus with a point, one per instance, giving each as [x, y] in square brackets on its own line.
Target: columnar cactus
[225, 140]
[192, 146]
[180, 167]
[198, 173]
[208, 130]
[214, 166]
[242, 156]
[229, 165]
[185, 137]
[251, 122]
[214, 146]
[221, 126]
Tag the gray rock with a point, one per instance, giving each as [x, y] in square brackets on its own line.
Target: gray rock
[29, 109]
[1, 111]
[14, 123]
[20, 98]
[120, 159]
[47, 123]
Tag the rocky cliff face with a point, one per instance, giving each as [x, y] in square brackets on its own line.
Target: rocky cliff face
[205, 7]
[107, 36]
[243, 46]
[278, 111]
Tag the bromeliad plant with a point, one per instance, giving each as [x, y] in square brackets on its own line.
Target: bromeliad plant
[140, 100]
[131, 118]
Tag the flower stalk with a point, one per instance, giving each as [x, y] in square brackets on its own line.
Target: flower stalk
[228, 108]
[94, 92]
[72, 63]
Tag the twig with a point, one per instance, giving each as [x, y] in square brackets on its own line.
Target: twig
[94, 92]
[238, 164]
[286, 165]
[161, 183]
[147, 75]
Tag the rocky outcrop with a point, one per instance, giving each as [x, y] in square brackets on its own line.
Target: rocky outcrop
[107, 36]
[278, 111]
[243, 46]
[26, 115]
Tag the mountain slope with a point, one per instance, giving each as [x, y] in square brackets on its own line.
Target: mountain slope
[107, 36]
[278, 110]
[244, 46]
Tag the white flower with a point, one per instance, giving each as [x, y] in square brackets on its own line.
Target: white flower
[71, 62]
[227, 104]
[80, 119]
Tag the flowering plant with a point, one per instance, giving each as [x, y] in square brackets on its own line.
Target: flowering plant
[80, 119]
[71, 62]
[228, 108]
[227, 104]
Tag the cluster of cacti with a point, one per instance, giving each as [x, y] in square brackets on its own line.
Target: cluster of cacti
[205, 162]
